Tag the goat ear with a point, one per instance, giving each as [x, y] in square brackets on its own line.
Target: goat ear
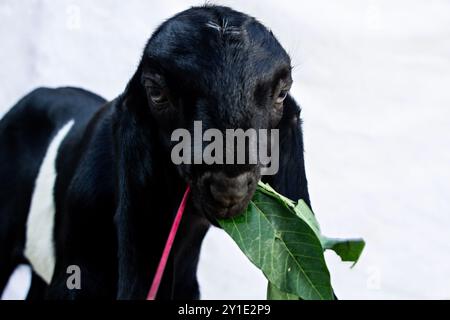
[134, 98]
[290, 180]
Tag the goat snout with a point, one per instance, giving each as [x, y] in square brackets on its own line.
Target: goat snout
[229, 191]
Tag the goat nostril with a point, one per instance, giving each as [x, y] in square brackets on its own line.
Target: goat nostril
[228, 197]
[229, 191]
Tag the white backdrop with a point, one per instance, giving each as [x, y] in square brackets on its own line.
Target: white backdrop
[373, 78]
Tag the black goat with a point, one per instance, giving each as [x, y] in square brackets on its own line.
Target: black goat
[91, 183]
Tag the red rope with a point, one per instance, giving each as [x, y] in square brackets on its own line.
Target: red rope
[162, 263]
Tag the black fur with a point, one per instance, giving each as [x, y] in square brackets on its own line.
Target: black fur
[117, 190]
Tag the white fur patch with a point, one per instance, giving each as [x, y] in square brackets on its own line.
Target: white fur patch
[39, 247]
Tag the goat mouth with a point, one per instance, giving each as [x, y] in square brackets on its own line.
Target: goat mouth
[214, 212]
[220, 212]
[217, 196]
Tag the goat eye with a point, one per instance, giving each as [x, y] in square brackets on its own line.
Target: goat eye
[157, 95]
[281, 97]
[155, 91]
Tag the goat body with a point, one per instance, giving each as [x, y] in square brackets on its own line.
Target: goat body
[114, 188]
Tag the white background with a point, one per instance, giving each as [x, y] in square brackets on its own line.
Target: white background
[373, 78]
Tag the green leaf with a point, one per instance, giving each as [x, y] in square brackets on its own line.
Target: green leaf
[347, 249]
[282, 245]
[273, 293]
[283, 239]
[267, 189]
[304, 212]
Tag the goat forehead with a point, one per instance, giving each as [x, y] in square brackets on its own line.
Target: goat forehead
[212, 32]
[224, 71]
[224, 28]
[222, 50]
